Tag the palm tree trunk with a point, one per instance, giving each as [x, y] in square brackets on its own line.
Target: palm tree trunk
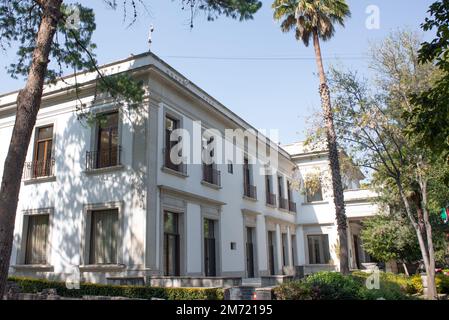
[333, 158]
[28, 104]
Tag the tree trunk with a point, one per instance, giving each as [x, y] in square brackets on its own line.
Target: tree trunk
[337, 185]
[431, 285]
[28, 104]
[422, 246]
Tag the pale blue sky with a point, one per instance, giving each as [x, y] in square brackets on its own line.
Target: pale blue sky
[269, 94]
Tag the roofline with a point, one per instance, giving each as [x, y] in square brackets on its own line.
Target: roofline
[154, 56]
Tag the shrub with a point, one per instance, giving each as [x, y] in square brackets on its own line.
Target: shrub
[332, 286]
[320, 286]
[442, 283]
[415, 285]
[391, 286]
[294, 290]
[29, 285]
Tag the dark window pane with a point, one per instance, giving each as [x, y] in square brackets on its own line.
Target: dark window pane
[45, 133]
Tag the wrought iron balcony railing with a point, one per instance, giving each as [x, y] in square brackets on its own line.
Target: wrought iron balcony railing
[211, 175]
[249, 190]
[168, 163]
[103, 158]
[292, 206]
[271, 199]
[283, 203]
[39, 169]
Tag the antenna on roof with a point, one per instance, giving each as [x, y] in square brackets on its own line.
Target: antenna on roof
[150, 37]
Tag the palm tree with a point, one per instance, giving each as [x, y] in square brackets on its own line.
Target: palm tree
[315, 19]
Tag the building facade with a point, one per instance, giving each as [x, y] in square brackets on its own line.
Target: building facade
[104, 201]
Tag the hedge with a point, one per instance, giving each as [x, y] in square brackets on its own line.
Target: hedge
[335, 286]
[29, 285]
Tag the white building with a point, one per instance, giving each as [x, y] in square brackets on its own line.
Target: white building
[104, 201]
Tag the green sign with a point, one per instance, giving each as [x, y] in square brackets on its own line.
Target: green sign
[444, 214]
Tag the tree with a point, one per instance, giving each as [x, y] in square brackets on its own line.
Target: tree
[41, 29]
[316, 19]
[390, 237]
[371, 127]
[429, 116]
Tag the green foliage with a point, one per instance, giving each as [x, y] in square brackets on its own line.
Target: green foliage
[293, 290]
[334, 286]
[390, 237]
[391, 286]
[368, 117]
[429, 116]
[237, 9]
[442, 283]
[29, 285]
[123, 88]
[414, 285]
[307, 16]
[72, 47]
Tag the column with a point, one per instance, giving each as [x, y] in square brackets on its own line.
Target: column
[300, 245]
[194, 239]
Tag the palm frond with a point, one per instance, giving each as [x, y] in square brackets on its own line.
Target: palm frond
[305, 16]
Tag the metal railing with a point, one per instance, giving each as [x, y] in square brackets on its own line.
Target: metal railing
[39, 169]
[271, 199]
[211, 175]
[182, 167]
[104, 158]
[292, 206]
[249, 190]
[283, 203]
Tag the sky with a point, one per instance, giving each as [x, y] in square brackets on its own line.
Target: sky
[266, 77]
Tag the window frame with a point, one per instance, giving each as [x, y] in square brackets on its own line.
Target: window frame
[87, 229]
[22, 249]
[325, 254]
[309, 198]
[98, 139]
[35, 149]
[94, 133]
[91, 243]
[174, 116]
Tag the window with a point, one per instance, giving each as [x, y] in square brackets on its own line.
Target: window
[36, 239]
[171, 244]
[171, 124]
[315, 196]
[210, 173]
[250, 250]
[318, 249]
[250, 191]
[270, 197]
[284, 250]
[293, 239]
[271, 248]
[283, 203]
[103, 237]
[209, 248]
[107, 149]
[230, 167]
[291, 203]
[107, 144]
[42, 165]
